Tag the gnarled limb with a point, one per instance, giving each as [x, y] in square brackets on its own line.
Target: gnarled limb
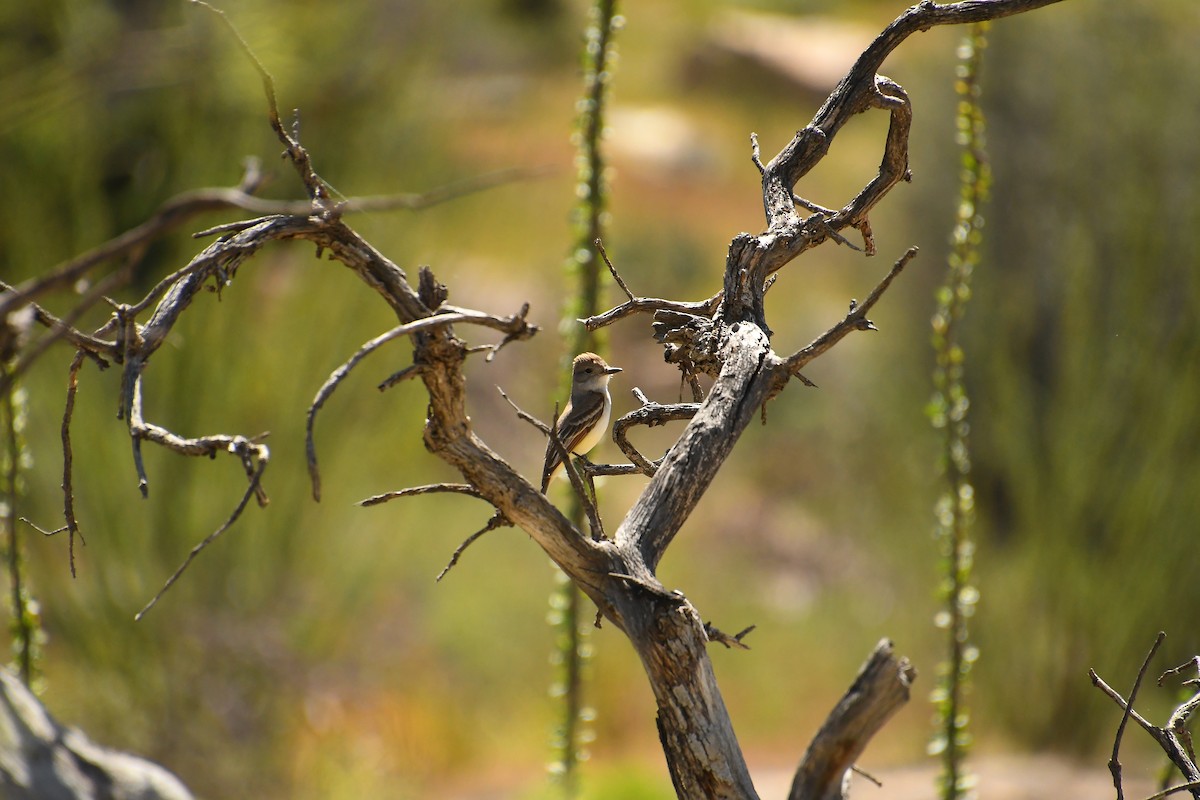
[881, 688]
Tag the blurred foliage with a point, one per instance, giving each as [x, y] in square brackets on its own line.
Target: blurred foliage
[1087, 441]
[569, 611]
[309, 654]
[954, 511]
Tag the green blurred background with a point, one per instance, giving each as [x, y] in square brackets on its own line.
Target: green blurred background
[309, 653]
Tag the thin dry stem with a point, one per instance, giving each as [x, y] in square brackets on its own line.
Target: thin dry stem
[251, 490]
[72, 523]
[498, 520]
[613, 270]
[451, 488]
[855, 319]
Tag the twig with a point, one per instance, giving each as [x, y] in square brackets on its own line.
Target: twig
[607, 470]
[716, 635]
[41, 530]
[318, 189]
[653, 587]
[72, 523]
[64, 329]
[514, 325]
[645, 305]
[251, 490]
[1114, 763]
[756, 153]
[498, 520]
[823, 219]
[139, 464]
[1192, 663]
[179, 209]
[338, 375]
[249, 450]
[453, 488]
[1190, 786]
[220, 260]
[855, 319]
[612, 269]
[1177, 724]
[863, 226]
[650, 414]
[860, 771]
[816, 208]
[411, 371]
[416, 201]
[1116, 697]
[1168, 738]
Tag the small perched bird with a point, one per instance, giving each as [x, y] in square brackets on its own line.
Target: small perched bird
[585, 419]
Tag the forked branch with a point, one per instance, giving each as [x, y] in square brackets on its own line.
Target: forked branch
[881, 688]
[1174, 738]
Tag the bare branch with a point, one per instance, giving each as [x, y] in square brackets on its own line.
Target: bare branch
[591, 470]
[251, 452]
[756, 153]
[1173, 739]
[881, 688]
[1191, 663]
[411, 371]
[650, 414]
[453, 488]
[854, 93]
[318, 189]
[816, 208]
[170, 215]
[251, 490]
[1114, 763]
[514, 325]
[41, 530]
[72, 524]
[1099, 683]
[725, 337]
[178, 210]
[716, 635]
[497, 520]
[612, 269]
[98, 349]
[1190, 786]
[644, 305]
[855, 319]
[862, 89]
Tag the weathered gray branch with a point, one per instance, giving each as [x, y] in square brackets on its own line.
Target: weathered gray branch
[881, 688]
[650, 414]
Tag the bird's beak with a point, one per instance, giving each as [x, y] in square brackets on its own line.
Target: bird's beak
[613, 370]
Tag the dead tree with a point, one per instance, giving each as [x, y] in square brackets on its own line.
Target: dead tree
[725, 337]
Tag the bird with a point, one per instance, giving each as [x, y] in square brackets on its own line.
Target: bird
[585, 419]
